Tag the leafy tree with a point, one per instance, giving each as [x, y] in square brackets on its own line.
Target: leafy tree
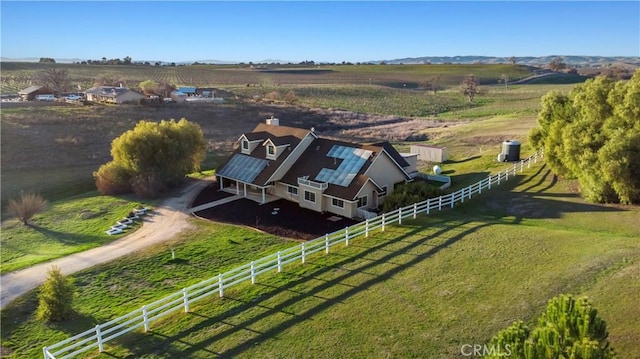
[55, 299]
[568, 328]
[149, 86]
[57, 80]
[109, 80]
[592, 135]
[557, 64]
[153, 156]
[469, 87]
[28, 205]
[513, 60]
[47, 60]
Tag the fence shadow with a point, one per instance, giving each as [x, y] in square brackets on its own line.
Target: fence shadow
[246, 309]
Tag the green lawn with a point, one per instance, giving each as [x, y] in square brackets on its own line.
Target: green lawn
[66, 227]
[420, 290]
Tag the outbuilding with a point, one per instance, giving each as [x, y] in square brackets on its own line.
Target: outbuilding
[30, 93]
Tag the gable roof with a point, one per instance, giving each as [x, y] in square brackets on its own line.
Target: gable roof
[30, 89]
[110, 91]
[260, 168]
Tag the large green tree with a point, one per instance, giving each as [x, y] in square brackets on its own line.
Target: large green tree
[152, 157]
[592, 135]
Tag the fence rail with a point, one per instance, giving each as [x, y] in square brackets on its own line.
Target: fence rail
[141, 318]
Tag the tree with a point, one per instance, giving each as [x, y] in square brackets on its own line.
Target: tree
[127, 60]
[28, 205]
[469, 87]
[55, 299]
[152, 157]
[592, 135]
[109, 80]
[47, 60]
[432, 83]
[504, 78]
[513, 60]
[557, 64]
[568, 328]
[149, 86]
[57, 80]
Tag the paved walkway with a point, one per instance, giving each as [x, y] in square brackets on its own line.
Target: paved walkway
[161, 224]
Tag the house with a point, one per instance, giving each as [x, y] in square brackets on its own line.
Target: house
[111, 94]
[187, 90]
[320, 174]
[30, 93]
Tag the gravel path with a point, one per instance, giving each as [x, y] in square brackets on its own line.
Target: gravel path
[162, 224]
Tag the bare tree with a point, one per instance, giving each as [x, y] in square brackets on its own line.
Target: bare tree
[56, 80]
[505, 79]
[513, 60]
[469, 87]
[25, 207]
[557, 64]
[109, 80]
[432, 83]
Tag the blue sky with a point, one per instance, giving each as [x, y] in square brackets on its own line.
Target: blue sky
[331, 31]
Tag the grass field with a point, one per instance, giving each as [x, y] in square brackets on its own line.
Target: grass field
[420, 290]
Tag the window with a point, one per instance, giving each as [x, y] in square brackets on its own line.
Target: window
[309, 196]
[362, 201]
[292, 190]
[337, 202]
[245, 144]
[271, 149]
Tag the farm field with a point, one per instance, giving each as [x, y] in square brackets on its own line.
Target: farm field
[422, 289]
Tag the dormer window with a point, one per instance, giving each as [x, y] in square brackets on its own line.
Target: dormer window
[271, 151]
[245, 145]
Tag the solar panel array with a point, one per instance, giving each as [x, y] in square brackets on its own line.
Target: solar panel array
[243, 168]
[352, 161]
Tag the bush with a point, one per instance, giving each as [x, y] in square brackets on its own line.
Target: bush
[55, 299]
[28, 205]
[409, 193]
[113, 179]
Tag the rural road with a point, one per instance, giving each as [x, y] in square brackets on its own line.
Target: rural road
[162, 224]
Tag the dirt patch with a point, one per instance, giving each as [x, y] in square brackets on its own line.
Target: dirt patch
[281, 218]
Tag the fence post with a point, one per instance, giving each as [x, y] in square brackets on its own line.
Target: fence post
[453, 199]
[346, 236]
[44, 351]
[99, 336]
[506, 177]
[490, 180]
[400, 215]
[499, 173]
[415, 210]
[185, 295]
[253, 272]
[220, 285]
[461, 197]
[366, 228]
[279, 262]
[428, 205]
[383, 222]
[145, 318]
[480, 186]
[515, 168]
[440, 203]
[326, 243]
[303, 252]
[521, 166]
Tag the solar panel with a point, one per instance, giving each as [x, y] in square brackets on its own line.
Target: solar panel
[352, 161]
[243, 168]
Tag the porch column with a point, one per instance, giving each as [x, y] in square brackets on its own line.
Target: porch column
[237, 187]
[244, 186]
[220, 180]
[263, 196]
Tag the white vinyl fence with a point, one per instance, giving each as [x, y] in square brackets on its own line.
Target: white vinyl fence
[142, 318]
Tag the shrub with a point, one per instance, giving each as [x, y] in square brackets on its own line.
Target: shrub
[410, 193]
[28, 205]
[568, 328]
[55, 299]
[112, 179]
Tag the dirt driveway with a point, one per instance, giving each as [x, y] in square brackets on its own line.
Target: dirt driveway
[162, 224]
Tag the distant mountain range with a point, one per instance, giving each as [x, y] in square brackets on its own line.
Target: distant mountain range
[574, 61]
[570, 60]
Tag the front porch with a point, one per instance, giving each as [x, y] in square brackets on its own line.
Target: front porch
[257, 194]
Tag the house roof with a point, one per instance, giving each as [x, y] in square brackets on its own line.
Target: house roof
[342, 165]
[30, 89]
[109, 91]
[234, 168]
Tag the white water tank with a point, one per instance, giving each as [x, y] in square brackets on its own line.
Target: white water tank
[437, 170]
[511, 150]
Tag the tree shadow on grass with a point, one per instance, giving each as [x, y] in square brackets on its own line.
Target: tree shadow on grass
[258, 309]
